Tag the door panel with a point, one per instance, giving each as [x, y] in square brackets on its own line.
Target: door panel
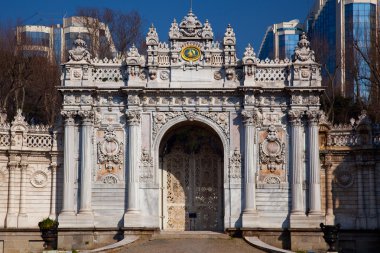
[192, 184]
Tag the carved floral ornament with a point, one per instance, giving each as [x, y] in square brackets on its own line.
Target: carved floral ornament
[110, 150]
[272, 150]
[39, 178]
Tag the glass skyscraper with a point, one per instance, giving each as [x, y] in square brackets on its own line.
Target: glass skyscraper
[55, 41]
[335, 28]
[280, 40]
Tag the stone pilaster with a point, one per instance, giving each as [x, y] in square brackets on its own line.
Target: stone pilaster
[372, 214]
[12, 212]
[361, 217]
[53, 169]
[132, 216]
[22, 215]
[330, 218]
[250, 215]
[314, 164]
[68, 167]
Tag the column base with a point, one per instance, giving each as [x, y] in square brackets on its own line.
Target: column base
[133, 219]
[11, 220]
[250, 219]
[22, 220]
[303, 221]
[330, 219]
[81, 220]
[85, 219]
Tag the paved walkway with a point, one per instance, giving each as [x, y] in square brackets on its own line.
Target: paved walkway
[189, 245]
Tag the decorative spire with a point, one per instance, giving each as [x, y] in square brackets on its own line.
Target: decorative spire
[229, 36]
[152, 36]
[79, 51]
[249, 55]
[303, 53]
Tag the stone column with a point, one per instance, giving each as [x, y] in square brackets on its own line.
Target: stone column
[53, 169]
[131, 217]
[11, 220]
[330, 218]
[68, 164]
[298, 207]
[314, 164]
[250, 215]
[22, 216]
[85, 206]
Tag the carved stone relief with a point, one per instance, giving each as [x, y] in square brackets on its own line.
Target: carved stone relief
[161, 118]
[109, 153]
[235, 167]
[272, 156]
[146, 167]
[39, 178]
[344, 177]
[109, 179]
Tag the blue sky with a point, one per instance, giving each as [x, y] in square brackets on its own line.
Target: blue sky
[249, 18]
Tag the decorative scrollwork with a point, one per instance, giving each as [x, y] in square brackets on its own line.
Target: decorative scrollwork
[161, 118]
[272, 150]
[110, 150]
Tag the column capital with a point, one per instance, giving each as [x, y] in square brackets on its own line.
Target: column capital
[68, 115]
[133, 117]
[251, 117]
[87, 116]
[295, 117]
[313, 117]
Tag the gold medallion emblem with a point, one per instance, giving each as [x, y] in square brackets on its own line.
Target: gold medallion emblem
[191, 53]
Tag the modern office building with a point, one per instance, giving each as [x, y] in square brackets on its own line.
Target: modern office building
[54, 41]
[280, 40]
[334, 27]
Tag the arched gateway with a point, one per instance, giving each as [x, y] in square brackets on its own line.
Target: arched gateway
[190, 137]
[192, 178]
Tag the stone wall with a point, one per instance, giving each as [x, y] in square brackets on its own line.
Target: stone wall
[351, 165]
[30, 178]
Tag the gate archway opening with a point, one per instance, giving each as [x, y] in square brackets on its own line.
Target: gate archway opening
[191, 155]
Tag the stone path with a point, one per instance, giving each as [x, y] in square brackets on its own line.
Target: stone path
[189, 245]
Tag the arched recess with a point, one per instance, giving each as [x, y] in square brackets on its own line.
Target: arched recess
[202, 122]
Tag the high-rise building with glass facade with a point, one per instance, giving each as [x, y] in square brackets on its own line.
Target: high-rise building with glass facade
[280, 40]
[55, 41]
[341, 32]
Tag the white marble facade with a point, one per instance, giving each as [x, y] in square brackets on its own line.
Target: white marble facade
[118, 112]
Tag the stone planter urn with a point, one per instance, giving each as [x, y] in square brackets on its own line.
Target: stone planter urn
[49, 233]
[330, 234]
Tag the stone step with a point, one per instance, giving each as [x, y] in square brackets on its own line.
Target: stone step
[189, 235]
